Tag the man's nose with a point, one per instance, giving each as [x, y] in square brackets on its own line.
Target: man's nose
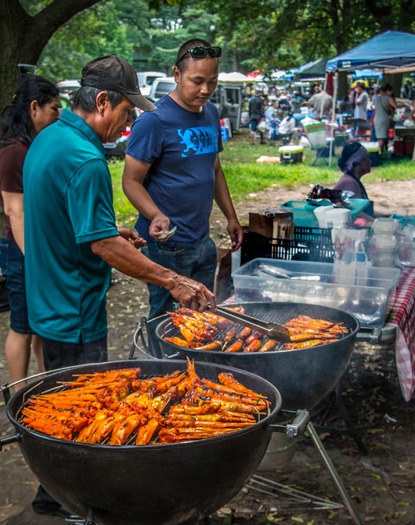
[205, 88]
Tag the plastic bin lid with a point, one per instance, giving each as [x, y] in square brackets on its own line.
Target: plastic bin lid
[290, 149]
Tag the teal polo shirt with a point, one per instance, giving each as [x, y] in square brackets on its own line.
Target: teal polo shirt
[68, 204]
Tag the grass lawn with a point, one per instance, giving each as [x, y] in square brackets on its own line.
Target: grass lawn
[245, 175]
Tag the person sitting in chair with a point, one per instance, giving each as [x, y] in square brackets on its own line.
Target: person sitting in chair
[287, 130]
[354, 163]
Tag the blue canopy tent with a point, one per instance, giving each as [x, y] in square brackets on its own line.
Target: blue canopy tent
[391, 50]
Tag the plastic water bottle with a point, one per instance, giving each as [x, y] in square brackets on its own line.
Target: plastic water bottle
[361, 256]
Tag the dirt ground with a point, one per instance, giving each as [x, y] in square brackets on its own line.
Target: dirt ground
[381, 483]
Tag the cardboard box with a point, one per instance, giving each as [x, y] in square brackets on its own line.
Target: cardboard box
[280, 226]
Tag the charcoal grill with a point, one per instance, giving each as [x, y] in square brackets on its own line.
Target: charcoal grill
[303, 377]
[154, 484]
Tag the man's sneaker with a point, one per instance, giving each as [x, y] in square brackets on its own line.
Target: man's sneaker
[51, 509]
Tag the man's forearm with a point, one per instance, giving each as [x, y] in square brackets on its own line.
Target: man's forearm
[122, 256]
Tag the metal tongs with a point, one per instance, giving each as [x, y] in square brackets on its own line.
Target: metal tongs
[273, 330]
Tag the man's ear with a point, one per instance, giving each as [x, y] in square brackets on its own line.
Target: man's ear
[102, 102]
[176, 74]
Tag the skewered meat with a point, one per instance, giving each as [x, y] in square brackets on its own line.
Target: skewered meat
[112, 407]
[305, 332]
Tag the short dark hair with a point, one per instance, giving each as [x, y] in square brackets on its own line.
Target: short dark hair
[85, 98]
[386, 87]
[193, 42]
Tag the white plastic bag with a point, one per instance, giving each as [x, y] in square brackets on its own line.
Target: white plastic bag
[261, 126]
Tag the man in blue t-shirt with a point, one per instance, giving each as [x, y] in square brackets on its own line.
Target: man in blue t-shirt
[173, 172]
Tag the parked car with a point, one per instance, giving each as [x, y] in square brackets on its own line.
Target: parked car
[227, 98]
[65, 101]
[117, 148]
[67, 87]
[160, 87]
[146, 79]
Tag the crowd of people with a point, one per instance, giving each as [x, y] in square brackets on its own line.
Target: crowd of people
[271, 117]
[368, 109]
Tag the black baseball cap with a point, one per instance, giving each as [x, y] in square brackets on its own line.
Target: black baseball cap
[115, 74]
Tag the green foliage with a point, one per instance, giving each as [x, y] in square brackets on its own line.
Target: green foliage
[254, 34]
[170, 27]
[125, 213]
[124, 27]
[97, 31]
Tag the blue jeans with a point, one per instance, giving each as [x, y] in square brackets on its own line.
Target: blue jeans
[253, 123]
[12, 267]
[198, 263]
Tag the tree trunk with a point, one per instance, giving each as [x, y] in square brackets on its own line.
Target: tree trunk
[24, 37]
[343, 89]
[235, 60]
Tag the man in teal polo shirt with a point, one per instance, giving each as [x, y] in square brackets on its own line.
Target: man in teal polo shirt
[71, 238]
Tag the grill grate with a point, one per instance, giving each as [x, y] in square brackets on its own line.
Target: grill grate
[60, 387]
[265, 312]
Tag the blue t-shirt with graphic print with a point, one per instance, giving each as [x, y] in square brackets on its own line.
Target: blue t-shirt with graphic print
[181, 147]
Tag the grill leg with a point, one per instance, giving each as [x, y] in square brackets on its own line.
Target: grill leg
[334, 474]
[348, 419]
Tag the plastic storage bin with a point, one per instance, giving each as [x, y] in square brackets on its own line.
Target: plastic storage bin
[309, 244]
[225, 133]
[303, 211]
[317, 283]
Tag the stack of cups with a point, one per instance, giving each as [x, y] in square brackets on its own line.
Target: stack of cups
[384, 242]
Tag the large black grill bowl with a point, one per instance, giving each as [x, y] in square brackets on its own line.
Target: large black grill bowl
[150, 485]
[303, 377]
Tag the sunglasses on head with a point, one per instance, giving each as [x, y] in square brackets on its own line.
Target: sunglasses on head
[201, 52]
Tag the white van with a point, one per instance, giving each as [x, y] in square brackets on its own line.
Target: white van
[227, 98]
[146, 79]
[160, 87]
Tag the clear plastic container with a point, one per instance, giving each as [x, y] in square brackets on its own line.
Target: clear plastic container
[384, 243]
[384, 259]
[405, 254]
[318, 283]
[385, 225]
